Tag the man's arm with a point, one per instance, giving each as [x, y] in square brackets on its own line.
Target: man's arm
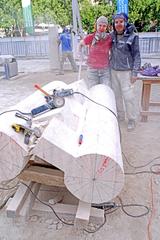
[81, 44]
[136, 59]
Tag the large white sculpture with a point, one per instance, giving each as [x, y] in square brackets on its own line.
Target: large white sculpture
[82, 139]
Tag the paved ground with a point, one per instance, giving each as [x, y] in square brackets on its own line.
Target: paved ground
[140, 147]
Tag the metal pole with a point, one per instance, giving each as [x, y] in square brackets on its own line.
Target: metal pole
[74, 16]
[79, 19]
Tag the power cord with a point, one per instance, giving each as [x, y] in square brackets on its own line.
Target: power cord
[151, 171]
[103, 107]
[15, 110]
[97, 229]
[69, 94]
[107, 207]
[48, 205]
[96, 102]
[113, 207]
[140, 166]
[10, 188]
[8, 181]
[123, 206]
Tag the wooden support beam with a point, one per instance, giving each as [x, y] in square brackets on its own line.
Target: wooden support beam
[154, 104]
[43, 175]
[148, 113]
[29, 202]
[82, 214]
[69, 211]
[18, 200]
[25, 203]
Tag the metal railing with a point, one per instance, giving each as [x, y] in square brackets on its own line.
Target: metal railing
[149, 45]
[29, 47]
[38, 47]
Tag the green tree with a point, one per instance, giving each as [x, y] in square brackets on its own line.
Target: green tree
[144, 11]
[89, 13]
[141, 12]
[11, 15]
[52, 11]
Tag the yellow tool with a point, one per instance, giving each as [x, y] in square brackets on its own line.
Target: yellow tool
[28, 131]
[18, 127]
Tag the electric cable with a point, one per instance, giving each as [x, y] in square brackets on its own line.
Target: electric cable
[96, 102]
[151, 171]
[105, 213]
[136, 173]
[48, 205]
[106, 209]
[140, 166]
[123, 206]
[101, 106]
[10, 188]
[116, 207]
[15, 110]
[98, 228]
[8, 181]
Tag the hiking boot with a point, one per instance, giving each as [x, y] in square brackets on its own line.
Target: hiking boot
[131, 125]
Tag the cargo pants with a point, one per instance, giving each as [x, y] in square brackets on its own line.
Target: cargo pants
[124, 94]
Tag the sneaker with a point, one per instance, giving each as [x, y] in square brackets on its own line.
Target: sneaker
[131, 125]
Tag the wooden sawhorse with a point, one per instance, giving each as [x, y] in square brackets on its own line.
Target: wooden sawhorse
[147, 82]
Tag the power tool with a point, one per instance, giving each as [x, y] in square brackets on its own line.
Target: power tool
[52, 103]
[63, 92]
[28, 131]
[27, 119]
[26, 128]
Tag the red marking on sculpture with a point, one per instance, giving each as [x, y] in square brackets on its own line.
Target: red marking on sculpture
[103, 166]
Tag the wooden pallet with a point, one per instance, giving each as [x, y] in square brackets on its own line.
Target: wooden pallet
[24, 203]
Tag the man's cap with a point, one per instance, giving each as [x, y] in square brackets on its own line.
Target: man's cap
[121, 15]
[102, 19]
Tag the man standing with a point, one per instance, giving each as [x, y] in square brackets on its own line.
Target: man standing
[99, 44]
[125, 63]
[65, 40]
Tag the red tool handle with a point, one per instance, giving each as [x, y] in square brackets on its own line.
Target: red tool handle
[43, 91]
